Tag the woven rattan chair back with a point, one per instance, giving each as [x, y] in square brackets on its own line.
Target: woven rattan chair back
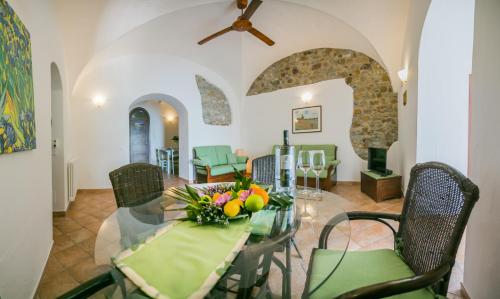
[136, 183]
[437, 206]
[263, 169]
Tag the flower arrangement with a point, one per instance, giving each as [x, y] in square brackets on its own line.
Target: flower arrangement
[218, 204]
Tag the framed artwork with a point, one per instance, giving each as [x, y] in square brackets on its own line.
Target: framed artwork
[17, 104]
[306, 120]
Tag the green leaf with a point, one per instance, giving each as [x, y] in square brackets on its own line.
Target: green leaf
[192, 192]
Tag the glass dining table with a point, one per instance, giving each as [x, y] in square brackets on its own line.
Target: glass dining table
[268, 266]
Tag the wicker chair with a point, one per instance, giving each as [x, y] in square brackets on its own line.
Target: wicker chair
[136, 183]
[439, 201]
[263, 169]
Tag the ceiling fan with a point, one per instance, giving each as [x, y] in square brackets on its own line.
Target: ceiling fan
[243, 23]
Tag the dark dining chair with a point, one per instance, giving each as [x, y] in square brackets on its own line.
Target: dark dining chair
[136, 184]
[438, 203]
[263, 169]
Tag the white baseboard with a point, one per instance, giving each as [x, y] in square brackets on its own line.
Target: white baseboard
[33, 294]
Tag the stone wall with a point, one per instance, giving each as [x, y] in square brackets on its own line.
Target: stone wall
[214, 104]
[375, 111]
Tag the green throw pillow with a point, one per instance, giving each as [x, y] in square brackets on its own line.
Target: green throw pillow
[231, 158]
[208, 160]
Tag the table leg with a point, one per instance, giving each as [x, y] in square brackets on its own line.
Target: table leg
[288, 273]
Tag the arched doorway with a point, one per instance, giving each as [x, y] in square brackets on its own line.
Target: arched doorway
[179, 121]
[139, 135]
[59, 196]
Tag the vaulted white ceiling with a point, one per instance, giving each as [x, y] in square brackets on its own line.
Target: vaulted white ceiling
[94, 29]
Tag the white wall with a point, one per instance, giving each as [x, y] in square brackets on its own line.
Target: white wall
[444, 66]
[25, 180]
[103, 147]
[482, 264]
[408, 114]
[268, 114]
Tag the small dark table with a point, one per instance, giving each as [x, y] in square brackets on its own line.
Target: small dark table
[379, 187]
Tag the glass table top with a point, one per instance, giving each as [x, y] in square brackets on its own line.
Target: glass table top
[277, 262]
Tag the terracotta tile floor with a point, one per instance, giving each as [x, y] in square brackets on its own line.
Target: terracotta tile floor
[71, 260]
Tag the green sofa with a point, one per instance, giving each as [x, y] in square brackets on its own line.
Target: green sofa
[328, 177]
[216, 163]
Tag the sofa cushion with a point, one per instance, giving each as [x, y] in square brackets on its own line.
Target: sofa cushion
[240, 166]
[241, 159]
[311, 174]
[209, 160]
[222, 151]
[231, 158]
[359, 269]
[217, 153]
[329, 149]
[207, 152]
[221, 169]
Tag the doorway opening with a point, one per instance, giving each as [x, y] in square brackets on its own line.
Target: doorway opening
[139, 135]
[163, 137]
[59, 196]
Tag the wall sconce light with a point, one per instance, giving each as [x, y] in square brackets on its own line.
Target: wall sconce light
[403, 76]
[170, 118]
[307, 97]
[99, 100]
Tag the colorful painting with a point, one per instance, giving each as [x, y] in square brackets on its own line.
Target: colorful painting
[306, 120]
[17, 107]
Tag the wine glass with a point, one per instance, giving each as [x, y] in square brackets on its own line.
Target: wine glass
[303, 163]
[317, 162]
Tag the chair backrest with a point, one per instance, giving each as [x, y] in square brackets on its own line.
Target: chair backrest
[136, 183]
[437, 206]
[263, 169]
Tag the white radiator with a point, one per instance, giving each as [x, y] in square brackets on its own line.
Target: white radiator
[71, 180]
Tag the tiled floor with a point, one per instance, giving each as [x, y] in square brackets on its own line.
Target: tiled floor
[71, 261]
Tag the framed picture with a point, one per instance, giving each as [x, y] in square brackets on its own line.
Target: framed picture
[306, 120]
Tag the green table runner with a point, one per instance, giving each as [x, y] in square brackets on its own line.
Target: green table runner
[186, 262]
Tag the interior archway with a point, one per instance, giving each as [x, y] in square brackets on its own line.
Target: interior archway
[183, 128]
[59, 196]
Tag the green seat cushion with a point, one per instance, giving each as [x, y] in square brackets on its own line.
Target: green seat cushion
[311, 174]
[359, 269]
[231, 158]
[221, 169]
[240, 166]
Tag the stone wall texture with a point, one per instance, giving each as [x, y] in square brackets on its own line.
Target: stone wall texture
[214, 104]
[375, 111]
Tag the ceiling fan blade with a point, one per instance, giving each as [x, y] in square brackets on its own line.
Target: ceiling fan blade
[242, 4]
[261, 36]
[209, 38]
[251, 9]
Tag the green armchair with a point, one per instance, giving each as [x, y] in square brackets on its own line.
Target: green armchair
[437, 206]
[216, 163]
[328, 177]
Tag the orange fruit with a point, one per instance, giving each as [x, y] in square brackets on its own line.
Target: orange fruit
[259, 191]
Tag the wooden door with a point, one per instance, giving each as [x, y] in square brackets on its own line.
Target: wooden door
[139, 135]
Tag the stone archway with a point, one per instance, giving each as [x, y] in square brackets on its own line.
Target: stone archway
[375, 111]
